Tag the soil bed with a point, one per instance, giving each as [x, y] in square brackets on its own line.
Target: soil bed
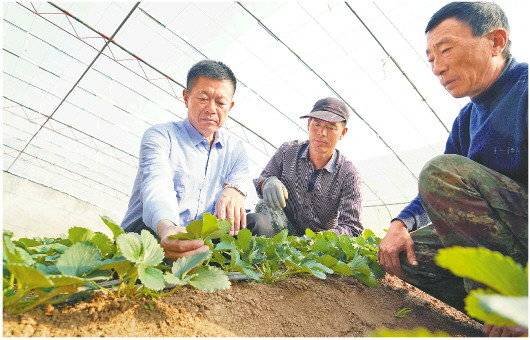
[299, 306]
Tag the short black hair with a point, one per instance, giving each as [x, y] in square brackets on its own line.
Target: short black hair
[210, 69]
[481, 16]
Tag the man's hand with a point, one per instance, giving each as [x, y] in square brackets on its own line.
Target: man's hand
[275, 194]
[175, 249]
[511, 331]
[231, 205]
[396, 241]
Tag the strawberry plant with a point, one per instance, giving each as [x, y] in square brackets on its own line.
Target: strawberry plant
[51, 270]
[207, 229]
[28, 286]
[188, 270]
[505, 300]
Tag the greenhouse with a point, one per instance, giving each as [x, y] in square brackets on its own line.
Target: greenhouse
[83, 81]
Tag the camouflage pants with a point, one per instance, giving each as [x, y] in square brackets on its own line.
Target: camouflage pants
[469, 205]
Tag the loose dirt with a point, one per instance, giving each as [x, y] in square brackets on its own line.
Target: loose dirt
[299, 306]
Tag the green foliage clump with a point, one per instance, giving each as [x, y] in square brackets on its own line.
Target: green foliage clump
[505, 300]
[41, 271]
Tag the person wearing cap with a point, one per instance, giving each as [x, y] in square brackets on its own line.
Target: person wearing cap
[310, 184]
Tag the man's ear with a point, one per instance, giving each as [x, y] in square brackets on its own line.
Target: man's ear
[499, 39]
[231, 105]
[186, 96]
[343, 132]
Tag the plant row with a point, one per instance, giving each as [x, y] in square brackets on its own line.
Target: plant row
[41, 271]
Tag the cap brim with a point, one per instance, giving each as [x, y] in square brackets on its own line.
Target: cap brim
[325, 115]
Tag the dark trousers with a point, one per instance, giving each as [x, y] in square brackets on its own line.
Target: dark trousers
[137, 227]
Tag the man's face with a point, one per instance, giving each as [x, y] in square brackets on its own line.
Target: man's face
[461, 61]
[324, 135]
[208, 103]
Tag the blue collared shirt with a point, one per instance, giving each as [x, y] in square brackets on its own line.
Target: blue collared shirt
[180, 177]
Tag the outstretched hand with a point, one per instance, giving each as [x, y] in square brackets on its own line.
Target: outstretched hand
[174, 249]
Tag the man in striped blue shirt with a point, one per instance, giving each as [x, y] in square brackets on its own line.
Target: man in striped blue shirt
[190, 167]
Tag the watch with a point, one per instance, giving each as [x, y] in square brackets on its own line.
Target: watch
[235, 188]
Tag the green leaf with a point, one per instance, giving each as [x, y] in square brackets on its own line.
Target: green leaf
[184, 264]
[227, 243]
[29, 277]
[172, 280]
[343, 269]
[79, 234]
[52, 258]
[419, 332]
[244, 236]
[130, 246]
[104, 244]
[475, 309]
[27, 242]
[314, 265]
[58, 247]
[209, 224]
[195, 228]
[403, 312]
[223, 226]
[48, 270]
[151, 277]
[66, 280]
[280, 237]
[488, 267]
[360, 265]
[14, 254]
[251, 274]
[114, 228]
[79, 259]
[362, 272]
[310, 233]
[112, 263]
[328, 260]
[367, 233]
[210, 279]
[25, 256]
[153, 253]
[347, 247]
[514, 308]
[119, 264]
[321, 244]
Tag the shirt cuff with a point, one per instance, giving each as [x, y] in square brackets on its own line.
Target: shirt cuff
[156, 216]
[409, 222]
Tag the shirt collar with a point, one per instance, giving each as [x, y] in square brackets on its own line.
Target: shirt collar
[330, 165]
[197, 138]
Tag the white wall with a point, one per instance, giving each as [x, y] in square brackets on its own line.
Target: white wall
[31, 209]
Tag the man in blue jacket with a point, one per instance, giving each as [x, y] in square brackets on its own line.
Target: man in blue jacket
[476, 194]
